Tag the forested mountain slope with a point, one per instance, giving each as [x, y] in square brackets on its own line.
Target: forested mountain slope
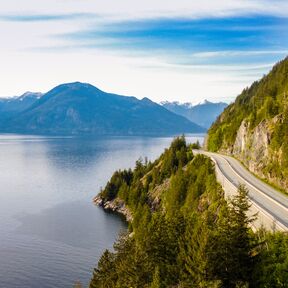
[81, 108]
[182, 232]
[255, 127]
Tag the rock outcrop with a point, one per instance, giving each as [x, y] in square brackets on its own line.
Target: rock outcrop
[254, 128]
[252, 148]
[116, 205]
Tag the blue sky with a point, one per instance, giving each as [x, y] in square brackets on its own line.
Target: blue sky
[175, 51]
[229, 40]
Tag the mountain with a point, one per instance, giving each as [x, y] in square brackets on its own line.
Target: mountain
[79, 108]
[254, 128]
[203, 114]
[11, 106]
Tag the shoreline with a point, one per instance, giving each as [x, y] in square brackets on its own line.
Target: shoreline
[116, 206]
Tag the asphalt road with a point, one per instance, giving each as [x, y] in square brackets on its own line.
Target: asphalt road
[272, 204]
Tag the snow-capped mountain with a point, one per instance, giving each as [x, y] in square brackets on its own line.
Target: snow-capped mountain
[203, 113]
[80, 108]
[14, 105]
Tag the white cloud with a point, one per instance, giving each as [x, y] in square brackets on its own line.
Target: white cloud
[149, 8]
[156, 77]
[158, 80]
[212, 54]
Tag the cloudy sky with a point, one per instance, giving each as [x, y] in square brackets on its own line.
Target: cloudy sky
[180, 50]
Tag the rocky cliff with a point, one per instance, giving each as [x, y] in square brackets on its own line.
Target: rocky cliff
[254, 129]
[116, 205]
[252, 148]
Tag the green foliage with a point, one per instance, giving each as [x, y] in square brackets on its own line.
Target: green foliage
[263, 101]
[215, 139]
[118, 179]
[196, 145]
[133, 187]
[106, 266]
[174, 157]
[272, 267]
[232, 244]
[156, 282]
[193, 238]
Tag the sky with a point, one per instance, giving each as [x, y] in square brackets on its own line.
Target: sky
[182, 50]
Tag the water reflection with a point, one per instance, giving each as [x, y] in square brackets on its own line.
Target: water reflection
[64, 223]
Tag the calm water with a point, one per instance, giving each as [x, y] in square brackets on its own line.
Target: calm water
[51, 234]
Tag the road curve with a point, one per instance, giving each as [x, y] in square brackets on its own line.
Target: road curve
[271, 205]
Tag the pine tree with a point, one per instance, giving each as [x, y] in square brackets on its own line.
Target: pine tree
[105, 274]
[156, 283]
[230, 252]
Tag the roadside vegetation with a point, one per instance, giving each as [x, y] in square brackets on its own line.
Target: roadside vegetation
[184, 233]
[266, 101]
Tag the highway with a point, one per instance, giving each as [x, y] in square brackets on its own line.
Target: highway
[270, 204]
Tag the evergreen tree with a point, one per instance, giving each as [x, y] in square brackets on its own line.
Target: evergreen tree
[192, 237]
[156, 283]
[230, 250]
[105, 273]
[272, 265]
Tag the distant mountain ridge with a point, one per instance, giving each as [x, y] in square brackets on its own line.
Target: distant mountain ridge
[80, 108]
[203, 114]
[11, 106]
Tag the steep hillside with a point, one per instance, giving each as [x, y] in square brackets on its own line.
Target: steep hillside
[255, 128]
[203, 114]
[182, 232]
[78, 108]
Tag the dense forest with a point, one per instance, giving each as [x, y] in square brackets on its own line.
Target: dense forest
[184, 233]
[264, 109]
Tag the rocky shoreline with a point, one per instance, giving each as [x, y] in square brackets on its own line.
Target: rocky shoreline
[116, 205]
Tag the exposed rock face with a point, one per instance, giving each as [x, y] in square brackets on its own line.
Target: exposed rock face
[116, 205]
[155, 194]
[255, 127]
[251, 147]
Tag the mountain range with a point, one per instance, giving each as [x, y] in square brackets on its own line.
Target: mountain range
[204, 114]
[80, 108]
[10, 107]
